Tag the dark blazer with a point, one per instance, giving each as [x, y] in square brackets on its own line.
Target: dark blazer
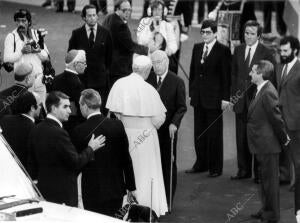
[123, 46]
[210, 82]
[70, 84]
[240, 79]
[55, 163]
[289, 96]
[109, 175]
[98, 57]
[172, 94]
[16, 130]
[8, 98]
[265, 128]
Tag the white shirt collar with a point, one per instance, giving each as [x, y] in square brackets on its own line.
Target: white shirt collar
[209, 45]
[290, 65]
[28, 116]
[253, 49]
[259, 87]
[162, 77]
[50, 116]
[93, 114]
[71, 71]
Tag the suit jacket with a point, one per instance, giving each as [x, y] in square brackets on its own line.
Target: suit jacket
[8, 98]
[98, 57]
[55, 163]
[70, 84]
[210, 81]
[123, 46]
[289, 96]
[16, 130]
[172, 94]
[109, 175]
[241, 87]
[265, 126]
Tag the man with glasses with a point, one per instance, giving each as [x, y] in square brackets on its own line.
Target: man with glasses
[124, 46]
[69, 83]
[209, 92]
[97, 43]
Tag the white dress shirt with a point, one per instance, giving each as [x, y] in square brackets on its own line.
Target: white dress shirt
[54, 119]
[29, 117]
[88, 30]
[209, 46]
[253, 49]
[289, 66]
[162, 77]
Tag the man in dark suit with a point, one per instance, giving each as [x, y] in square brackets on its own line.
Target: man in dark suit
[288, 78]
[123, 45]
[53, 159]
[266, 133]
[172, 93]
[245, 55]
[106, 178]
[16, 128]
[69, 83]
[24, 79]
[209, 92]
[96, 41]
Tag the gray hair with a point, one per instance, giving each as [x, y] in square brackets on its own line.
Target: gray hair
[141, 65]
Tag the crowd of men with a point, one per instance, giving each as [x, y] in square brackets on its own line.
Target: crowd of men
[73, 134]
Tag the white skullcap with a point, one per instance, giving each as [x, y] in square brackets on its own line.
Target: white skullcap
[75, 55]
[141, 62]
[23, 69]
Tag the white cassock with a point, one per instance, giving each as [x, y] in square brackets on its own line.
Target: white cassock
[139, 107]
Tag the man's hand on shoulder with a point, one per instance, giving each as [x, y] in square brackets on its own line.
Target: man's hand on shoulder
[96, 143]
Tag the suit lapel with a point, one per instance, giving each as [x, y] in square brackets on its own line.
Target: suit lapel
[255, 55]
[253, 103]
[291, 73]
[84, 36]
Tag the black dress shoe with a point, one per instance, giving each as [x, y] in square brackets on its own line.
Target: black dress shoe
[240, 176]
[195, 170]
[257, 215]
[214, 174]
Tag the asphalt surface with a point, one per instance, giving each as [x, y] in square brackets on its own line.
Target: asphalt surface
[198, 198]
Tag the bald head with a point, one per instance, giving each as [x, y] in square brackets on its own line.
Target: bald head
[76, 60]
[142, 65]
[160, 62]
[23, 74]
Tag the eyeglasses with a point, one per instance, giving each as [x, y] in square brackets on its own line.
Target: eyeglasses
[126, 10]
[81, 62]
[205, 32]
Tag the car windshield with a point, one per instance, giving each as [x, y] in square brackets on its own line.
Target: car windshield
[14, 180]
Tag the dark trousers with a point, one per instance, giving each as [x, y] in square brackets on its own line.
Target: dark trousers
[208, 139]
[109, 207]
[165, 153]
[268, 7]
[70, 4]
[295, 153]
[244, 157]
[101, 5]
[186, 8]
[269, 169]
[285, 166]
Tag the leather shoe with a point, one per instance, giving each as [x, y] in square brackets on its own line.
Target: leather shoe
[214, 174]
[257, 215]
[240, 176]
[195, 171]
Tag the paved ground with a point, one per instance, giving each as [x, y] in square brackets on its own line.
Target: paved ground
[198, 198]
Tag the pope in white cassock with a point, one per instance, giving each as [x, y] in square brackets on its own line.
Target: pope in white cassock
[138, 105]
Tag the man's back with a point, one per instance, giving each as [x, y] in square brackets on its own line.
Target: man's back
[16, 130]
[111, 172]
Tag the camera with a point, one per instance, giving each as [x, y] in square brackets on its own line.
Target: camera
[35, 47]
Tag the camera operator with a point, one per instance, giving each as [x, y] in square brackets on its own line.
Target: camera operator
[25, 44]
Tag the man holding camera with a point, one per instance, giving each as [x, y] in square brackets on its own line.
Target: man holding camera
[25, 44]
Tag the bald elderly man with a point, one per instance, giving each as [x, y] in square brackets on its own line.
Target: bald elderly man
[69, 83]
[171, 89]
[24, 79]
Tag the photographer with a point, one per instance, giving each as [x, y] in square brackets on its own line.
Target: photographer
[25, 44]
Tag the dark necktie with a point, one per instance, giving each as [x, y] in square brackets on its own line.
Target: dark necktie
[91, 37]
[204, 55]
[159, 83]
[284, 73]
[247, 61]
